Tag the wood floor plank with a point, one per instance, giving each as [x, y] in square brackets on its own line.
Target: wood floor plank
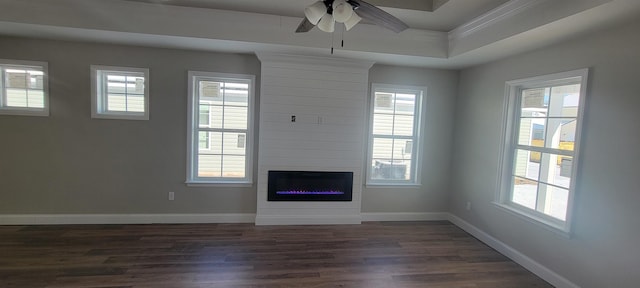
[374, 254]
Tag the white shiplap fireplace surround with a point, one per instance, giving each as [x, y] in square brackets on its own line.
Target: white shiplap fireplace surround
[328, 97]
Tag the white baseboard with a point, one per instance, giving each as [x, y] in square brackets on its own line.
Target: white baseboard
[513, 254]
[55, 219]
[405, 216]
[348, 219]
[309, 220]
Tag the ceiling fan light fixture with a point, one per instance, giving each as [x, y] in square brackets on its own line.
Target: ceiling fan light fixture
[355, 19]
[327, 23]
[342, 11]
[315, 11]
[325, 13]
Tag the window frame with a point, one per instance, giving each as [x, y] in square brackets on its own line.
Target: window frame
[98, 88]
[193, 115]
[417, 137]
[24, 111]
[509, 146]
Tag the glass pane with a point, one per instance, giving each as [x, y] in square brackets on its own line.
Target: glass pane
[203, 140]
[405, 104]
[35, 98]
[382, 148]
[383, 102]
[135, 103]
[392, 170]
[525, 192]
[375, 164]
[382, 124]
[203, 115]
[233, 166]
[135, 85]
[400, 149]
[210, 91]
[559, 171]
[16, 79]
[215, 116]
[524, 166]
[236, 94]
[36, 81]
[564, 101]
[562, 133]
[16, 97]
[556, 201]
[534, 102]
[403, 125]
[532, 132]
[116, 102]
[231, 143]
[235, 117]
[209, 165]
[215, 142]
[116, 84]
[401, 165]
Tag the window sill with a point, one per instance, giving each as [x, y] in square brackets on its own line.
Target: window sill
[218, 184]
[24, 111]
[535, 219]
[392, 185]
[121, 116]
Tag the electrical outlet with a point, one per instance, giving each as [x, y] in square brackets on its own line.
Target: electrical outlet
[469, 205]
[172, 196]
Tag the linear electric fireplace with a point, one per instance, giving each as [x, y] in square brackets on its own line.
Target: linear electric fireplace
[309, 186]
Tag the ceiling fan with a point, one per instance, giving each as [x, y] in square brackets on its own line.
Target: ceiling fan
[326, 13]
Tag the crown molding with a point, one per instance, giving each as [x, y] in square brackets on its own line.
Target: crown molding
[495, 16]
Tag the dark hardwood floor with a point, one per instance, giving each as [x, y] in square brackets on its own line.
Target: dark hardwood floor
[374, 254]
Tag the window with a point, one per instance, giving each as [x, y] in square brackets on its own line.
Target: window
[540, 155]
[23, 88]
[394, 137]
[119, 93]
[219, 125]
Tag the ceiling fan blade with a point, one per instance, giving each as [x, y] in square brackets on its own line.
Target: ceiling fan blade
[305, 26]
[379, 17]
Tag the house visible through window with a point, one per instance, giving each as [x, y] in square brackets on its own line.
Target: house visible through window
[120, 92]
[394, 138]
[23, 88]
[219, 126]
[541, 142]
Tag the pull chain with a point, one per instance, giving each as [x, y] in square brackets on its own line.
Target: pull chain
[332, 42]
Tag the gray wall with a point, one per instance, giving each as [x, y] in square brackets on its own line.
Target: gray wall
[69, 163]
[602, 251]
[433, 195]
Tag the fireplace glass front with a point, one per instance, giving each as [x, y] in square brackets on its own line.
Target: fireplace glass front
[309, 186]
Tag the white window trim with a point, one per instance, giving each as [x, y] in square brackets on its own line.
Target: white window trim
[97, 109]
[27, 111]
[417, 130]
[503, 193]
[192, 138]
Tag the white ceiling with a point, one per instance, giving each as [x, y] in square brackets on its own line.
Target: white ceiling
[447, 17]
[459, 34]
